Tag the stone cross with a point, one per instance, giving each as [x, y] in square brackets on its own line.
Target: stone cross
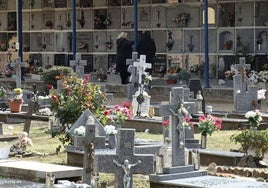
[242, 66]
[141, 66]
[133, 79]
[18, 65]
[177, 136]
[79, 64]
[114, 163]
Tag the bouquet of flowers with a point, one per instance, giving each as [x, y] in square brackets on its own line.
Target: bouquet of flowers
[208, 124]
[165, 123]
[116, 115]
[187, 123]
[110, 130]
[254, 118]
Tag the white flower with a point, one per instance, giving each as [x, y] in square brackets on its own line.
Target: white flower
[45, 111]
[110, 129]
[250, 114]
[261, 94]
[80, 131]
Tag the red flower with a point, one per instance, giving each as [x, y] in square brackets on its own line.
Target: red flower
[165, 123]
[49, 87]
[55, 98]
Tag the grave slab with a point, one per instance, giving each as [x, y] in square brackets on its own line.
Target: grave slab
[35, 171]
[209, 182]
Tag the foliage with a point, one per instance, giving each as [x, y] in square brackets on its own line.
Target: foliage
[208, 124]
[254, 118]
[50, 76]
[75, 96]
[249, 139]
[2, 92]
[184, 75]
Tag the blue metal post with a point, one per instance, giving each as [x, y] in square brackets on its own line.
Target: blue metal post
[206, 44]
[19, 28]
[74, 29]
[135, 24]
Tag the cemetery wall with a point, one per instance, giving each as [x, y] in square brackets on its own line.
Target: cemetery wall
[177, 28]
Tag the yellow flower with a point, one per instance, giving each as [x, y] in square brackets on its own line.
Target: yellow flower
[18, 91]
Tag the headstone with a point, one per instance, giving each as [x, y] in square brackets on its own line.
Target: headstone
[141, 99]
[244, 93]
[79, 64]
[110, 163]
[133, 79]
[17, 65]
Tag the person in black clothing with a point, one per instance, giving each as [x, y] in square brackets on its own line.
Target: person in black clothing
[146, 46]
[123, 52]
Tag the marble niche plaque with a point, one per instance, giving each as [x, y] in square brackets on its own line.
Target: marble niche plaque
[11, 21]
[226, 40]
[115, 15]
[99, 39]
[127, 19]
[26, 42]
[98, 3]
[191, 41]
[87, 15]
[261, 41]
[48, 59]
[62, 42]
[60, 20]
[193, 13]
[100, 62]
[36, 42]
[3, 5]
[178, 17]
[3, 26]
[212, 46]
[226, 14]
[60, 3]
[160, 40]
[158, 17]
[48, 41]
[47, 3]
[26, 19]
[261, 13]
[144, 17]
[3, 42]
[244, 14]
[111, 41]
[48, 19]
[175, 35]
[84, 42]
[36, 21]
[244, 38]
[11, 5]
[86, 3]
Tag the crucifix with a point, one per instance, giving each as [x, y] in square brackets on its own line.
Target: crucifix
[17, 65]
[78, 64]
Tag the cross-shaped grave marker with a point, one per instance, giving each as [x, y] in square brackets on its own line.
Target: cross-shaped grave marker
[242, 67]
[17, 65]
[141, 67]
[131, 69]
[177, 134]
[140, 163]
[79, 64]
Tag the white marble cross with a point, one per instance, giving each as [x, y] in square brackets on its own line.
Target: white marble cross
[142, 66]
[79, 64]
[17, 65]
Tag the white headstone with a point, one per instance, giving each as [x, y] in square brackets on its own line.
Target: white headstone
[17, 65]
[79, 64]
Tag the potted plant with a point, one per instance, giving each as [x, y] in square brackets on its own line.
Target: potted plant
[15, 103]
[172, 75]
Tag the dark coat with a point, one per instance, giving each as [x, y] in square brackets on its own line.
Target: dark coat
[124, 52]
[146, 46]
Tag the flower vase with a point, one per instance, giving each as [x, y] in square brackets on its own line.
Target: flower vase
[203, 141]
[112, 141]
[165, 133]
[15, 106]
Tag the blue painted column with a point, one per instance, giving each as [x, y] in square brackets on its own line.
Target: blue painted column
[74, 28]
[206, 44]
[135, 24]
[19, 31]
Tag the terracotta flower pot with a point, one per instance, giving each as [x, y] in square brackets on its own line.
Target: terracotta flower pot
[15, 106]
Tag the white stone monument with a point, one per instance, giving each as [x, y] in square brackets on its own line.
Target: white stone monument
[79, 64]
[17, 65]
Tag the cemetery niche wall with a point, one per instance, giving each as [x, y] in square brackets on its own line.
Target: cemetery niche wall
[176, 27]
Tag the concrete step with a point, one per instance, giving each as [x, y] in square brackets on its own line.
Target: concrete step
[36, 171]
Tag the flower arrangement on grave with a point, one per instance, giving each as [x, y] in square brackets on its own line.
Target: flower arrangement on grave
[9, 72]
[17, 95]
[209, 124]
[110, 130]
[182, 18]
[72, 99]
[165, 123]
[254, 118]
[116, 115]
[187, 123]
[230, 73]
[108, 21]
[262, 76]
[83, 45]
[80, 131]
[172, 73]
